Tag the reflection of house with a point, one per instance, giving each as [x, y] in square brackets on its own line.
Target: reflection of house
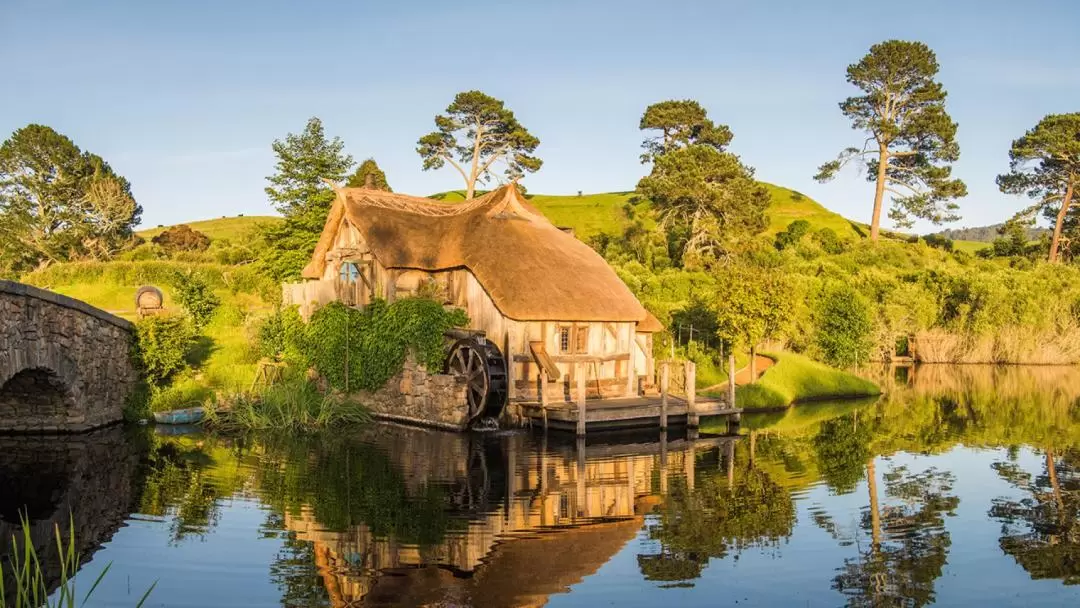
[559, 515]
[534, 289]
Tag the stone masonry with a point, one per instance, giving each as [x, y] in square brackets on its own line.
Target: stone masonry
[64, 365]
[416, 396]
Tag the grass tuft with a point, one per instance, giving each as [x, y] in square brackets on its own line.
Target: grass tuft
[796, 379]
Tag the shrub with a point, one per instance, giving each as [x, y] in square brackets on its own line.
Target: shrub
[795, 232]
[843, 327]
[293, 405]
[829, 242]
[195, 296]
[162, 342]
[182, 238]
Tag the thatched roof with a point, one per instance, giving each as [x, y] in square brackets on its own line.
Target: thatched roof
[532, 270]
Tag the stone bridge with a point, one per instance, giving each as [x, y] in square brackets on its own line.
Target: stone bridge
[64, 365]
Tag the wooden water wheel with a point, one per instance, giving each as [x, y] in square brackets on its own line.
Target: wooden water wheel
[484, 370]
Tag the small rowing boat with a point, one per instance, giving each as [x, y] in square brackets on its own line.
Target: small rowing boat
[189, 415]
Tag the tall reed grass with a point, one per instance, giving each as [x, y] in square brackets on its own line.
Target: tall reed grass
[30, 587]
[294, 405]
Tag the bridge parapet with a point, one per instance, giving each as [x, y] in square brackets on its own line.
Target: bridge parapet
[64, 365]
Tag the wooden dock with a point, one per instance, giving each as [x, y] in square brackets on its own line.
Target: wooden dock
[630, 412]
[663, 410]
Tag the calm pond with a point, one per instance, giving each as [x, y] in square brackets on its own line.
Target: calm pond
[962, 487]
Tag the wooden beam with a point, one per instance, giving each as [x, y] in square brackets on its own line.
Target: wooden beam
[543, 396]
[576, 358]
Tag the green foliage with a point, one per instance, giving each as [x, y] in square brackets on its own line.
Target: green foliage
[297, 191]
[680, 123]
[195, 295]
[792, 235]
[938, 242]
[709, 196]
[181, 238]
[362, 349]
[369, 175]
[752, 304]
[58, 203]
[844, 326]
[911, 140]
[1045, 165]
[295, 405]
[476, 131]
[161, 346]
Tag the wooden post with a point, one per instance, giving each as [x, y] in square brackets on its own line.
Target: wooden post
[691, 395]
[511, 368]
[543, 395]
[665, 371]
[731, 380]
[631, 373]
[730, 462]
[579, 377]
[753, 364]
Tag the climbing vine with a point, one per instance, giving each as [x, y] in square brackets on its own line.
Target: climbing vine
[362, 349]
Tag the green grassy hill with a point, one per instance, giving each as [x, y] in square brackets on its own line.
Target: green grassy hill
[232, 228]
[591, 214]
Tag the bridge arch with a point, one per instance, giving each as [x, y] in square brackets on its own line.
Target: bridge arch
[64, 365]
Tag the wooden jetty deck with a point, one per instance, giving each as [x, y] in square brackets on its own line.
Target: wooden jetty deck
[629, 412]
[663, 410]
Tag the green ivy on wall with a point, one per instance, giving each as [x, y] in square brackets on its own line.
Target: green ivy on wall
[362, 349]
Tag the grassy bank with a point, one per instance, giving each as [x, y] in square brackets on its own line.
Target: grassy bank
[796, 379]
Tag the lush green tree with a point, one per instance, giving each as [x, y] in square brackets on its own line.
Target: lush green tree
[476, 132]
[708, 195]
[369, 175]
[680, 123]
[911, 140]
[843, 326]
[1045, 165]
[298, 192]
[59, 203]
[842, 446]
[752, 305]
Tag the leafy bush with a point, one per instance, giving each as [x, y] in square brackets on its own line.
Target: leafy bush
[182, 238]
[195, 296]
[830, 243]
[795, 232]
[843, 327]
[162, 343]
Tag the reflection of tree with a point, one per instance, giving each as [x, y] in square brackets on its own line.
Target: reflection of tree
[295, 573]
[909, 543]
[348, 483]
[1041, 531]
[177, 485]
[842, 446]
[715, 518]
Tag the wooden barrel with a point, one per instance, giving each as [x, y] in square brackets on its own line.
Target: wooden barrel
[149, 299]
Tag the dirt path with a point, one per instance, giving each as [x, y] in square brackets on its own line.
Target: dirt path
[742, 376]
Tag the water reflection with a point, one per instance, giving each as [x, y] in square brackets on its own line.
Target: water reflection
[970, 471]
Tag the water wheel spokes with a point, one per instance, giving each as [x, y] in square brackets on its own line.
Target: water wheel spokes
[483, 370]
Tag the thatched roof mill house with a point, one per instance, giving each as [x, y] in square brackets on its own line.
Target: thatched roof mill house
[543, 300]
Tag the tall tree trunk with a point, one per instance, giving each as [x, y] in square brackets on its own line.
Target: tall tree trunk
[879, 192]
[470, 186]
[875, 512]
[753, 364]
[1056, 241]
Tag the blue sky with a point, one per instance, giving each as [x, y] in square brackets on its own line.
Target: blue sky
[185, 98]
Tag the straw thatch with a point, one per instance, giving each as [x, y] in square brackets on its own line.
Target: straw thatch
[532, 270]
